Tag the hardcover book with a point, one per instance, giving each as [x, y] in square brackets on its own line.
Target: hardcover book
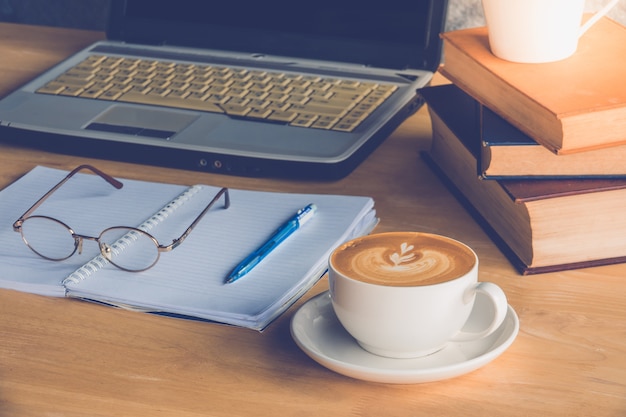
[568, 106]
[506, 152]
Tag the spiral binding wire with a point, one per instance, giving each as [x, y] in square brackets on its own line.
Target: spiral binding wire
[100, 261]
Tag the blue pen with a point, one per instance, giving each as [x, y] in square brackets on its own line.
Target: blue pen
[282, 233]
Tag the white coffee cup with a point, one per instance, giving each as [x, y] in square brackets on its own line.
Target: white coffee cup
[537, 31]
[409, 294]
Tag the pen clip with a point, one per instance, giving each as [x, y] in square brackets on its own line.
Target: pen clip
[305, 214]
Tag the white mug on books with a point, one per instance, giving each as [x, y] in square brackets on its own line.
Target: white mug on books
[537, 31]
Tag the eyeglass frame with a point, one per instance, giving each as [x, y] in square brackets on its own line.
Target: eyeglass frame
[78, 238]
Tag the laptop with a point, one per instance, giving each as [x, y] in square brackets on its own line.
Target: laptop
[378, 53]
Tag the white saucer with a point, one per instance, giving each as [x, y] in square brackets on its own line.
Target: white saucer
[319, 334]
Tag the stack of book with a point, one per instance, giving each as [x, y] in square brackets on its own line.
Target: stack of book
[537, 152]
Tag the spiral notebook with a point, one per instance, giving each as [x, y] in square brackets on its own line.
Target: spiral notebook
[189, 280]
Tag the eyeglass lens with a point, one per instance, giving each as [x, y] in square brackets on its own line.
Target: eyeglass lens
[48, 237]
[54, 240]
[129, 249]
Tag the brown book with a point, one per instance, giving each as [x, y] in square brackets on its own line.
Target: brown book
[507, 152]
[568, 106]
[541, 225]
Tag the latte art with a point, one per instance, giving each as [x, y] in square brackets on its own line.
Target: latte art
[403, 259]
[405, 255]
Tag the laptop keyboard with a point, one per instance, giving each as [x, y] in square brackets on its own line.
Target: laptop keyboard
[297, 100]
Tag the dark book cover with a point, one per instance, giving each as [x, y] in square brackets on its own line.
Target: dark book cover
[498, 132]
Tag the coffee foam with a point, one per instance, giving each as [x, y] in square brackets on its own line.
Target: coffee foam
[403, 259]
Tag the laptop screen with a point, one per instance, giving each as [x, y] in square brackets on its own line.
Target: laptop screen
[390, 33]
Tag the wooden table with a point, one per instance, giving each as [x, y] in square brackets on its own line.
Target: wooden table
[62, 357]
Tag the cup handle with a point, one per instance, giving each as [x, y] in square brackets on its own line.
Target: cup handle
[500, 307]
[593, 19]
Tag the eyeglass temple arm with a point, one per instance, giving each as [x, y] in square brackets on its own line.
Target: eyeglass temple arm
[186, 233]
[115, 183]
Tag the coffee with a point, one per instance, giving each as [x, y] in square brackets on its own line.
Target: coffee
[403, 259]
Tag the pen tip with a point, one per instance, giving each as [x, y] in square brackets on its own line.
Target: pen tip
[233, 277]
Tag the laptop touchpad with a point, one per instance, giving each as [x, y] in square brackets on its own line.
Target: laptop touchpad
[141, 122]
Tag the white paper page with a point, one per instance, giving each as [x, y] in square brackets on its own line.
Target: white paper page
[190, 279]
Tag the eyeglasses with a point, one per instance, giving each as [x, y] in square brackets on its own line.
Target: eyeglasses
[128, 248]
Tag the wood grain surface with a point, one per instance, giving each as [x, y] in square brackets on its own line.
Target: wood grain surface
[62, 357]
